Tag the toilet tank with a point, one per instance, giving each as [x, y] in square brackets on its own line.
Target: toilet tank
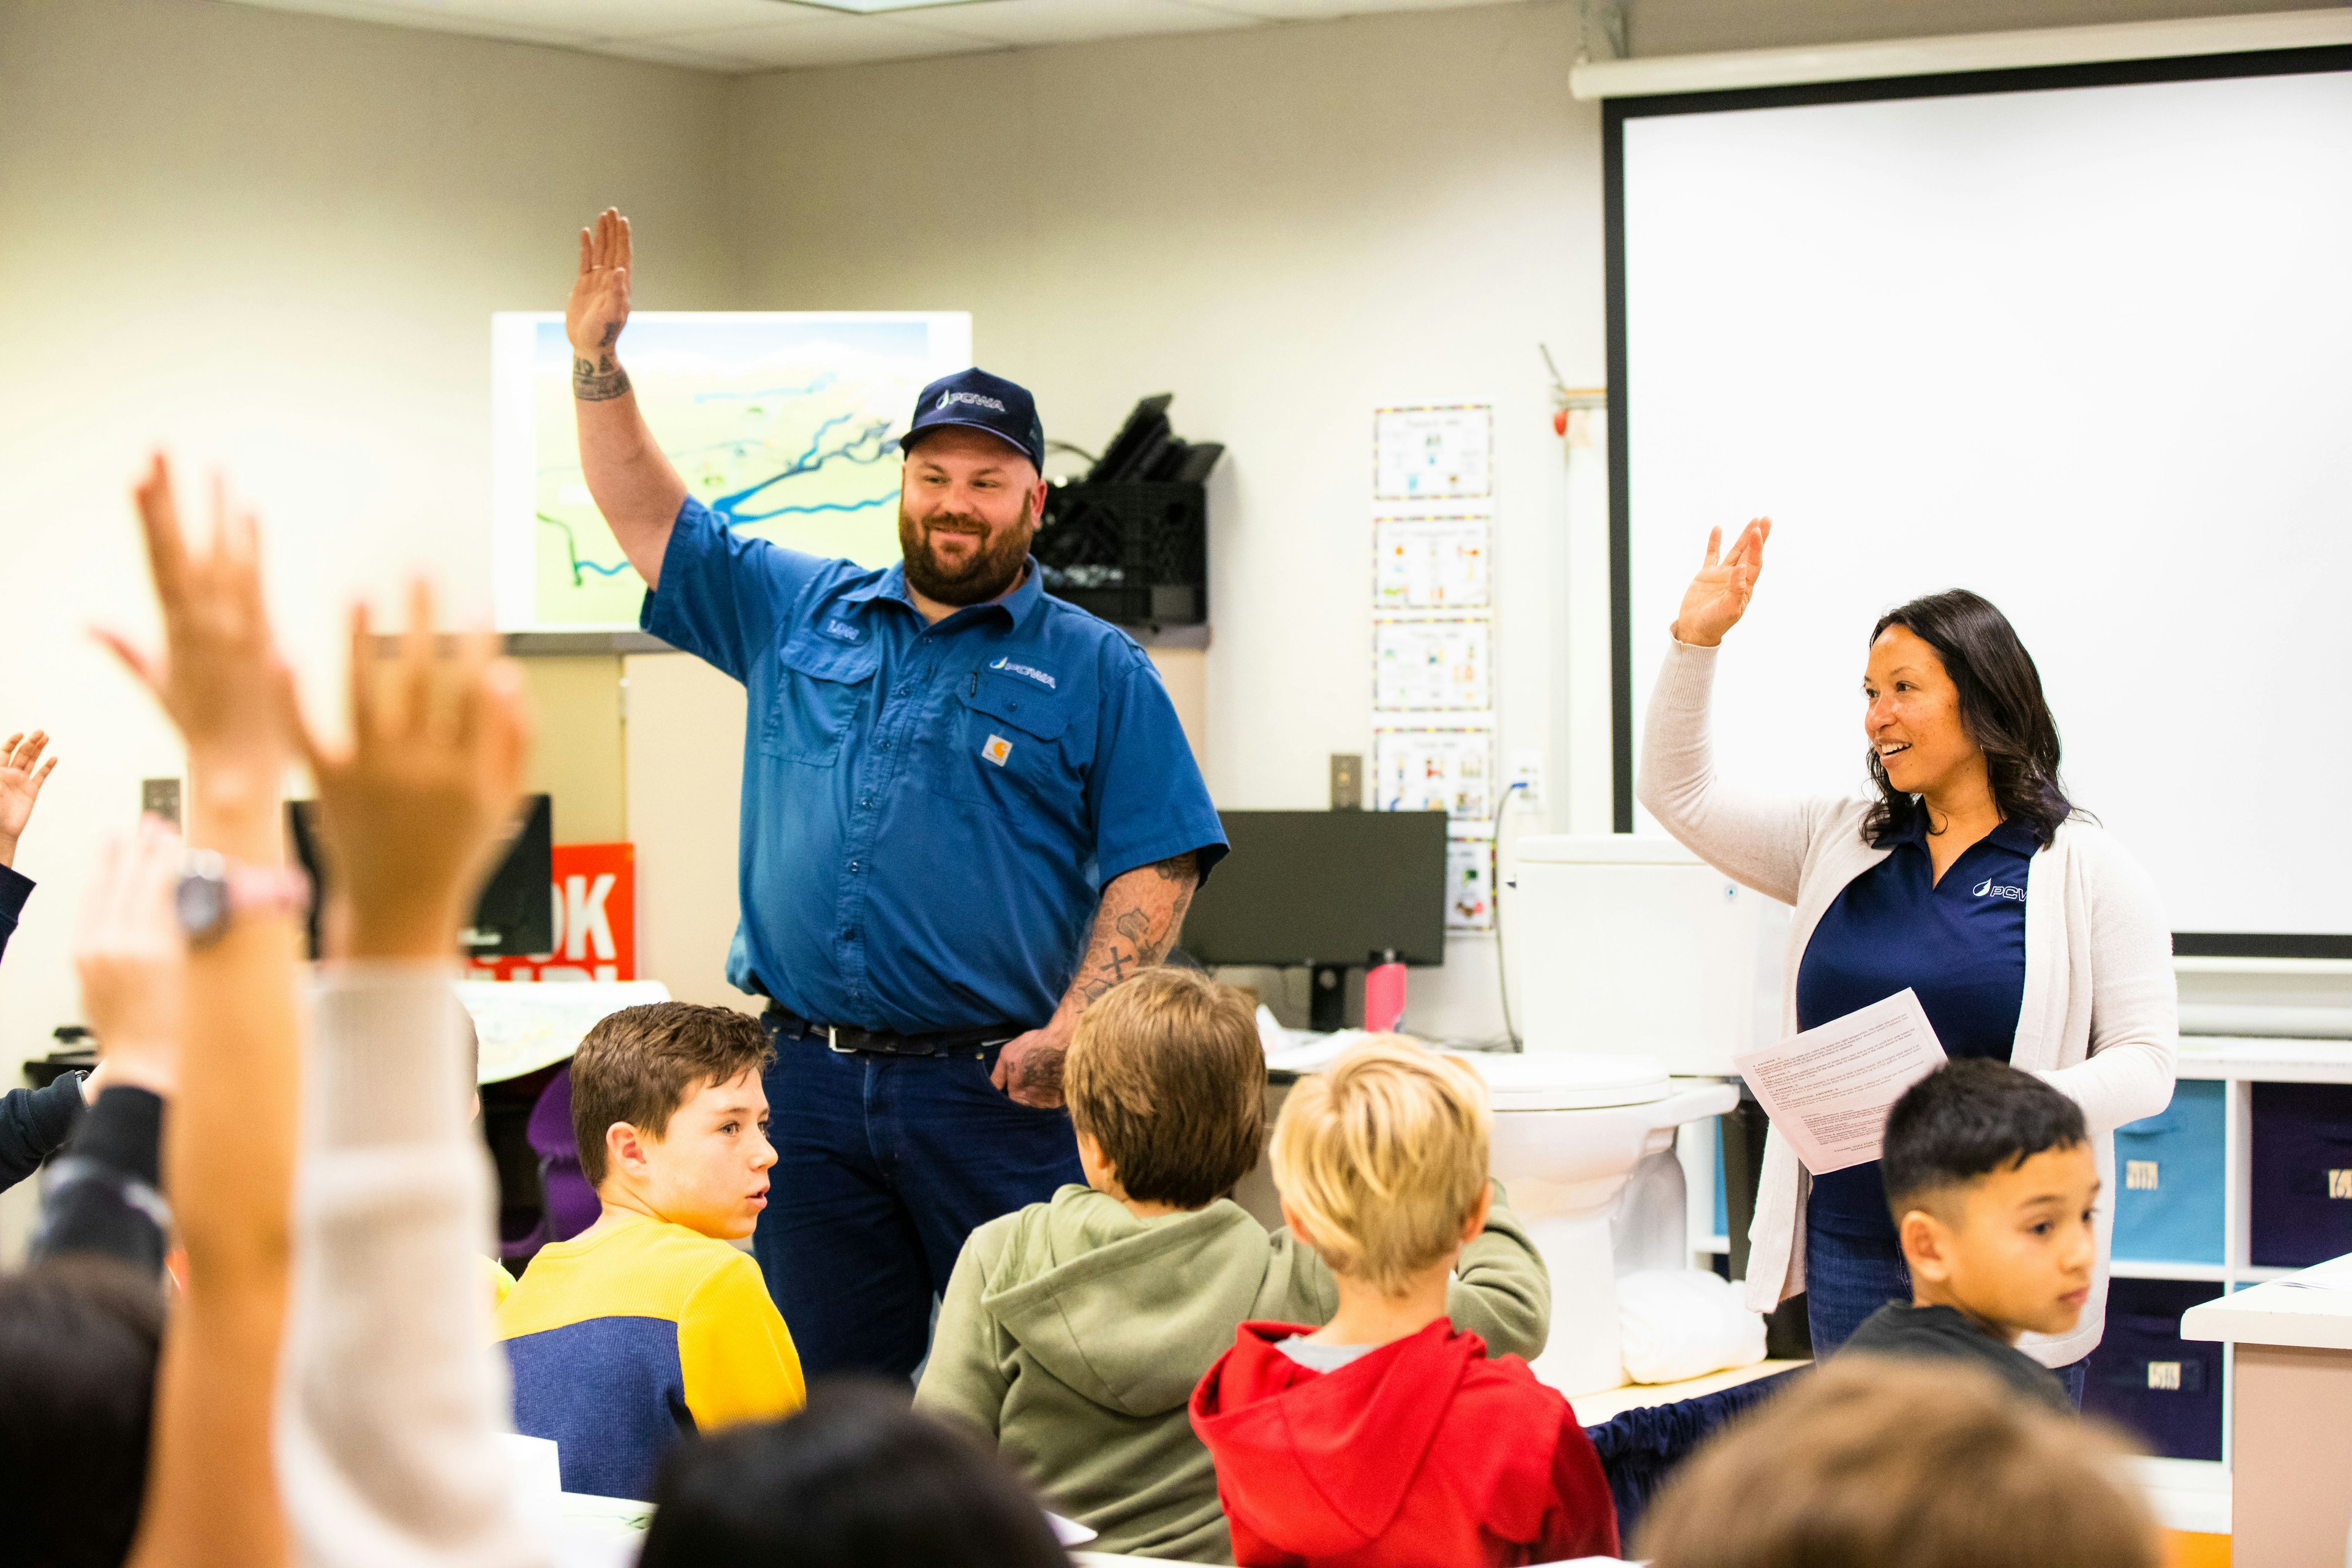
[1625, 943]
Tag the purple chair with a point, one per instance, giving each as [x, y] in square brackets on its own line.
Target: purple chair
[571, 1203]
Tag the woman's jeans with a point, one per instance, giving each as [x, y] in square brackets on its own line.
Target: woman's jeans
[1848, 1277]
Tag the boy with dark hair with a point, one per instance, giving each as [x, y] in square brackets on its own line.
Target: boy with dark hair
[1073, 1331]
[1992, 1185]
[648, 1323]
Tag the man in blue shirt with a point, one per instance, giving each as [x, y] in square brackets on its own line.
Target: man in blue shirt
[968, 811]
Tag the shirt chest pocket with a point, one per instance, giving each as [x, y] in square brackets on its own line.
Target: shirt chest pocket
[1004, 744]
[821, 686]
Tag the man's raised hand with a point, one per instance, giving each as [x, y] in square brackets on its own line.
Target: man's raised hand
[599, 309]
[414, 813]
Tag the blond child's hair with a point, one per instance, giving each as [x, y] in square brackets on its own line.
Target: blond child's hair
[1381, 1158]
[1872, 1462]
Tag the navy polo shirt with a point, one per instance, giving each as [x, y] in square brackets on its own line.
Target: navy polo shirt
[929, 813]
[1959, 943]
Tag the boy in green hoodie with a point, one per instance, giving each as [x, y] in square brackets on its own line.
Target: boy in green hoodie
[1073, 1331]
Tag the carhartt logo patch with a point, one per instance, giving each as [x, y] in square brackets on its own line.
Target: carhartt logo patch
[997, 750]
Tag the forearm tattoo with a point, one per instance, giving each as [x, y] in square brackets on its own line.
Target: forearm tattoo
[601, 381]
[1141, 914]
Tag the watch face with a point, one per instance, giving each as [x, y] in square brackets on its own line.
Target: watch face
[202, 903]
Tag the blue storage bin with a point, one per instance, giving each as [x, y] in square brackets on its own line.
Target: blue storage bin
[2301, 1197]
[2148, 1379]
[1722, 1186]
[2169, 1172]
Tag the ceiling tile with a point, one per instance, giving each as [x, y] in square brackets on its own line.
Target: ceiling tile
[1030, 22]
[664, 54]
[825, 38]
[1330, 10]
[619, 18]
[431, 16]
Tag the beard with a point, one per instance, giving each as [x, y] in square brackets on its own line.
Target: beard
[983, 575]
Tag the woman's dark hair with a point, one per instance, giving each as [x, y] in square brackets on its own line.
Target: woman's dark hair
[857, 1479]
[2001, 707]
[79, 1339]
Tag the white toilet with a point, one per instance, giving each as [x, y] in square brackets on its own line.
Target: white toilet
[1584, 1143]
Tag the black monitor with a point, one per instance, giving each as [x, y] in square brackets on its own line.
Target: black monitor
[515, 915]
[1326, 889]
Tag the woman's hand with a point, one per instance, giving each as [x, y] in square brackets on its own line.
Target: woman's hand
[413, 816]
[20, 787]
[132, 961]
[1718, 595]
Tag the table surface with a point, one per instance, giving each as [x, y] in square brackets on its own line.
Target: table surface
[1593, 1409]
[2312, 1309]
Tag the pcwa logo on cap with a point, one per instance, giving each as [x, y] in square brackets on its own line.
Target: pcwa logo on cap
[949, 399]
[997, 750]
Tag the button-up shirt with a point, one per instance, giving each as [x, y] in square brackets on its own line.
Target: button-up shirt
[929, 812]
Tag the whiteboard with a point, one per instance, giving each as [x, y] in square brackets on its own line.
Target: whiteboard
[2086, 351]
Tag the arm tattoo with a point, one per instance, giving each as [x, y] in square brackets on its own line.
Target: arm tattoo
[1040, 1073]
[1138, 924]
[599, 383]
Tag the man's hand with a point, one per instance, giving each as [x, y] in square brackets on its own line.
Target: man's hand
[220, 681]
[599, 309]
[132, 961]
[1029, 1067]
[20, 787]
[413, 815]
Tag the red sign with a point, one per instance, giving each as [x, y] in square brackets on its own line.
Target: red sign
[596, 895]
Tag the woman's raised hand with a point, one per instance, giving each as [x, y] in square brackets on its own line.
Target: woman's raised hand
[1718, 595]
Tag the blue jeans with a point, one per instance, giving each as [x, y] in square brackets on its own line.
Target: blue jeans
[1848, 1277]
[883, 1165]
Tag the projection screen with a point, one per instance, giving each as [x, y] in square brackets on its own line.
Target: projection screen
[2079, 338]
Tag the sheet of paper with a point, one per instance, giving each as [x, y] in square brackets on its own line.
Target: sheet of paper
[1434, 768]
[1433, 663]
[1433, 454]
[1829, 1088]
[1430, 564]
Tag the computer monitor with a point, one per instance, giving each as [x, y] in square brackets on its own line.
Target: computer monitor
[515, 915]
[1330, 890]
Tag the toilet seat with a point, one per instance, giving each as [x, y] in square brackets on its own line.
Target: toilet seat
[1569, 1080]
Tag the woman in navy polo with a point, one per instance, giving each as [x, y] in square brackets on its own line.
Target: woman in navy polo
[1966, 876]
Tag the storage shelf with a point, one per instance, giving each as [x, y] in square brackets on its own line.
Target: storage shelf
[2157, 1268]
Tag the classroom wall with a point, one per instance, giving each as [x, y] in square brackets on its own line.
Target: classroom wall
[1285, 227]
[273, 241]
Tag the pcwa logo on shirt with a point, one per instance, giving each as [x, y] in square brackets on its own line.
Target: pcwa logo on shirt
[997, 750]
[1986, 888]
[1032, 672]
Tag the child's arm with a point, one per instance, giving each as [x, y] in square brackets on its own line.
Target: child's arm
[963, 1378]
[733, 1351]
[1500, 1291]
[35, 1123]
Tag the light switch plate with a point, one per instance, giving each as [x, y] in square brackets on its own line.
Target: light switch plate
[160, 798]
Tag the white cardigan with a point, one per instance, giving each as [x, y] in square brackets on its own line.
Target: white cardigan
[2100, 1018]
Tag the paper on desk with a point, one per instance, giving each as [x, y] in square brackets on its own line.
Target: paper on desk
[1829, 1088]
[2335, 1275]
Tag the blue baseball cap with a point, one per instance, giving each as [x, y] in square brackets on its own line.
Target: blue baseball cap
[979, 401]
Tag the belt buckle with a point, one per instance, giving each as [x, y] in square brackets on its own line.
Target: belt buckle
[833, 1044]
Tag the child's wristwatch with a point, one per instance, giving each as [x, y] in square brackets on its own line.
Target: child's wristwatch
[213, 891]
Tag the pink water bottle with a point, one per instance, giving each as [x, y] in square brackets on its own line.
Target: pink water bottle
[1383, 993]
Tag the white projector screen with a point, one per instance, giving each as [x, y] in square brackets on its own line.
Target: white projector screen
[2085, 348]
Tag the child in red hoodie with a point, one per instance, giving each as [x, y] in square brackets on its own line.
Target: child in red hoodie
[1385, 1440]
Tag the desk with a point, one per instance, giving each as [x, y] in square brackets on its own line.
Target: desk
[2290, 1357]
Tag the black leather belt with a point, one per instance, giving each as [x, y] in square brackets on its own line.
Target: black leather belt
[850, 1040]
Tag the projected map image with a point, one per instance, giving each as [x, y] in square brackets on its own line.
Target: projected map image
[785, 425]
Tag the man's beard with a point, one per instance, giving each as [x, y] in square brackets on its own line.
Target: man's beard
[985, 574]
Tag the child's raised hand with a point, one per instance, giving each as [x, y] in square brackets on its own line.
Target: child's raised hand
[132, 961]
[219, 678]
[414, 813]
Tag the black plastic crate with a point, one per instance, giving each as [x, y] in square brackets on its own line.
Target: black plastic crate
[2146, 1378]
[1135, 554]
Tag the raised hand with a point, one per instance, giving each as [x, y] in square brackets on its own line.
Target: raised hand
[414, 813]
[132, 961]
[20, 787]
[1718, 595]
[599, 309]
[219, 678]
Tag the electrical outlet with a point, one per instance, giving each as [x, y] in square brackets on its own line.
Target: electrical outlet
[1347, 781]
[1526, 778]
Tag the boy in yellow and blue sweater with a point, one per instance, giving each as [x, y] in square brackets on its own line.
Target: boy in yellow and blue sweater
[648, 1323]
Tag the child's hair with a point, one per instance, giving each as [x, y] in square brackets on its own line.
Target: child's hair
[1382, 1158]
[856, 1480]
[640, 1063]
[1965, 1119]
[1877, 1463]
[1167, 1073]
[78, 1338]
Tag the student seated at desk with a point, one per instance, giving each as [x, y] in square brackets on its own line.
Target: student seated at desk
[648, 1323]
[1073, 1331]
[1989, 1175]
[1386, 1438]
